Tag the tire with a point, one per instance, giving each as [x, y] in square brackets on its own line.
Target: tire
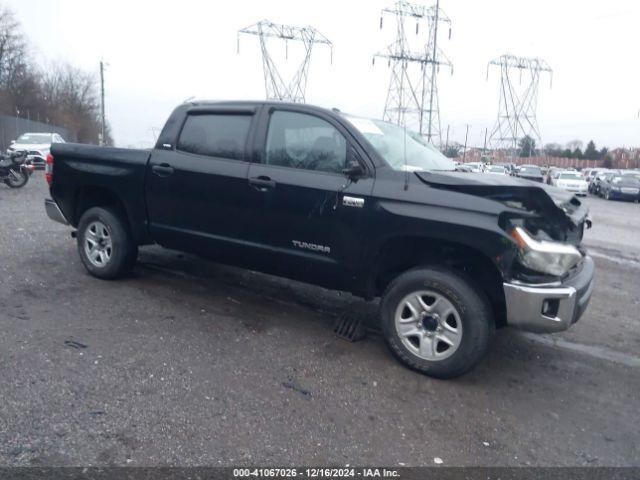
[19, 181]
[472, 318]
[105, 245]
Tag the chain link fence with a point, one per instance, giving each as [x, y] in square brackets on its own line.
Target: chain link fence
[12, 127]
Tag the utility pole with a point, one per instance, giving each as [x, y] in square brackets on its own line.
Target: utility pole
[518, 102]
[412, 96]
[102, 135]
[484, 148]
[466, 138]
[446, 145]
[434, 53]
[276, 87]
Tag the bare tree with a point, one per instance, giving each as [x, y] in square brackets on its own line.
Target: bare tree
[61, 94]
[14, 71]
[575, 144]
[70, 95]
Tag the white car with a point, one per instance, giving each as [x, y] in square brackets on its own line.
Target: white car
[476, 167]
[37, 146]
[571, 181]
[496, 170]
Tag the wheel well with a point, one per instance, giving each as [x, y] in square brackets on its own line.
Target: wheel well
[402, 254]
[90, 197]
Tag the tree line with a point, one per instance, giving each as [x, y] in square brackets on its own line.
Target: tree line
[57, 93]
[527, 148]
[573, 149]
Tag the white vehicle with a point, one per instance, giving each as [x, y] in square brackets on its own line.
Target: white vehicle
[571, 181]
[496, 170]
[37, 146]
[476, 167]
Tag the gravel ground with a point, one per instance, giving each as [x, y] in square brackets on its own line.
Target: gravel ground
[193, 363]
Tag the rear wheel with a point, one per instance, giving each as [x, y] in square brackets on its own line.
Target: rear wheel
[16, 179]
[105, 245]
[436, 321]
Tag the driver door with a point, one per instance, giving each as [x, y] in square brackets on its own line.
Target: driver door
[308, 215]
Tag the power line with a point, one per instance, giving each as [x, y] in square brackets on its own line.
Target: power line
[412, 97]
[517, 108]
[275, 87]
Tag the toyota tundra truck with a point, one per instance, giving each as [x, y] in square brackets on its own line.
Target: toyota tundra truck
[347, 203]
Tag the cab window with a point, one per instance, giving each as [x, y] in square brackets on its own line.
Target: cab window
[215, 135]
[297, 140]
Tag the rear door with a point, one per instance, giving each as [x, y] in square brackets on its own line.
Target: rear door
[197, 191]
[307, 216]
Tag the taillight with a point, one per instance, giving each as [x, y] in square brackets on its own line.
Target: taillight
[48, 169]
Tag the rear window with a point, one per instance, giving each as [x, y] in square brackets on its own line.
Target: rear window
[531, 170]
[215, 135]
[627, 180]
[34, 138]
[570, 176]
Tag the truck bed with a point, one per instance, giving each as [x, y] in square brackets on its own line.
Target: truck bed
[81, 170]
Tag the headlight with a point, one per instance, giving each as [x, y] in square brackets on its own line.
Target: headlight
[543, 256]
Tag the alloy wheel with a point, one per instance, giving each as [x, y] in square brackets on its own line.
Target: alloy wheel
[98, 246]
[429, 325]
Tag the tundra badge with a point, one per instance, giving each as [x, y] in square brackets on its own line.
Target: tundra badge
[311, 246]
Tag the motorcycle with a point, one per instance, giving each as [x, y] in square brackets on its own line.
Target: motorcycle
[14, 169]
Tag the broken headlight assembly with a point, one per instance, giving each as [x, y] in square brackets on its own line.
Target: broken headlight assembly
[544, 256]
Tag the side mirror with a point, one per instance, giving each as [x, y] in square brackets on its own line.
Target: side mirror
[354, 169]
[13, 142]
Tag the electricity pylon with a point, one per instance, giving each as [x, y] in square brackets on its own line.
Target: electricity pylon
[276, 88]
[412, 98]
[518, 104]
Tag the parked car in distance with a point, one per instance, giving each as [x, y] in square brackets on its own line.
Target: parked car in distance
[571, 181]
[510, 168]
[461, 167]
[592, 172]
[551, 174]
[496, 170]
[616, 186]
[530, 172]
[476, 167]
[596, 181]
[302, 192]
[37, 146]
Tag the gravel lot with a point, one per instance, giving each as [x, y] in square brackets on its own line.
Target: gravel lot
[192, 363]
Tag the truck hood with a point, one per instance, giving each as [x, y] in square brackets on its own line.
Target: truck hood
[519, 195]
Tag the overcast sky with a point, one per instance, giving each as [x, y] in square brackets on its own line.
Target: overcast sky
[163, 52]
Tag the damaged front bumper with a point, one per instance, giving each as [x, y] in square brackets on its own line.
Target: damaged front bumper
[547, 309]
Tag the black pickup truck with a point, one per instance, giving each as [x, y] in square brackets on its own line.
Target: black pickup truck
[348, 203]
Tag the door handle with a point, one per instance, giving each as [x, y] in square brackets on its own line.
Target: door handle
[262, 183]
[162, 170]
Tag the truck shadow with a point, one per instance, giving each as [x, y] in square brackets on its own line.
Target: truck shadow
[516, 358]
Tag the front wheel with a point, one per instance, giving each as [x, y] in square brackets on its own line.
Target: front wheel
[105, 245]
[16, 179]
[436, 321]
